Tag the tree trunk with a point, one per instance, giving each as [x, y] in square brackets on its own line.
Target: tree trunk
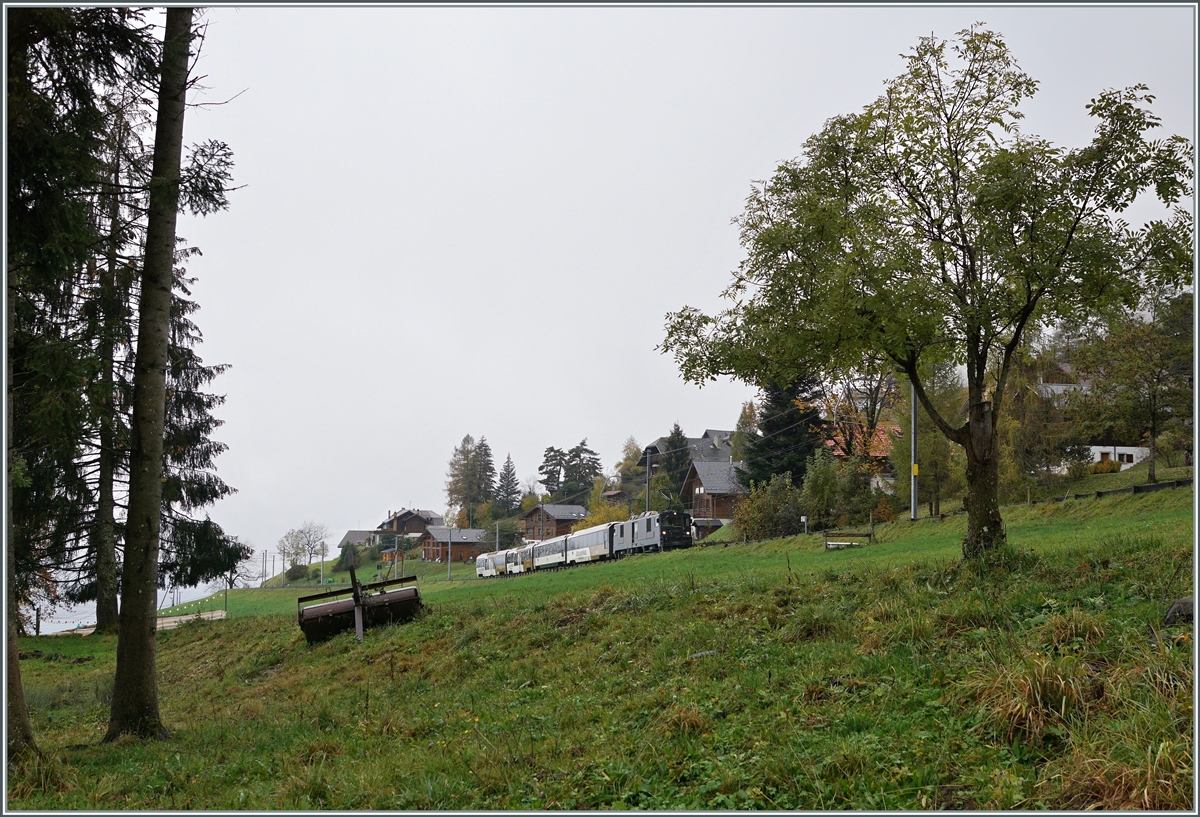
[135, 690]
[20, 731]
[985, 528]
[104, 528]
[1150, 475]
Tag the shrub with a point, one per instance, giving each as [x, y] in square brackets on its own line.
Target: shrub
[1106, 467]
[296, 572]
[771, 510]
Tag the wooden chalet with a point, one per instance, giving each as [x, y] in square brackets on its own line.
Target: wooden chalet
[410, 523]
[712, 489]
[547, 521]
[462, 543]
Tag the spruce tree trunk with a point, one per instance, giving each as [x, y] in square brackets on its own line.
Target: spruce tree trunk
[19, 735]
[135, 690]
[104, 527]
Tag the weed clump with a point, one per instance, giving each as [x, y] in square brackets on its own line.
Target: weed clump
[1028, 698]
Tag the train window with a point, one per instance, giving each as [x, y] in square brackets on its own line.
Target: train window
[647, 526]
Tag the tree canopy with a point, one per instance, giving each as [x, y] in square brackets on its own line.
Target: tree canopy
[929, 227]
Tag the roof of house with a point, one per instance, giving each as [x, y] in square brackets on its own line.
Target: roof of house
[430, 517]
[713, 445]
[719, 477]
[561, 512]
[355, 537]
[461, 536]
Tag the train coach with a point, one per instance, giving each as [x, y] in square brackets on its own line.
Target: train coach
[651, 532]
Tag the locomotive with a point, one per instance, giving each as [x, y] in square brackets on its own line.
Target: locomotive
[650, 532]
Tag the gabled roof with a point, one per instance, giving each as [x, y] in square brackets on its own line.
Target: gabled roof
[559, 512]
[461, 536]
[355, 537]
[430, 517]
[719, 477]
[713, 445]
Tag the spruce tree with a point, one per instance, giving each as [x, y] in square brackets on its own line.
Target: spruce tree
[134, 708]
[551, 469]
[580, 469]
[675, 460]
[508, 489]
[790, 430]
[58, 62]
[483, 473]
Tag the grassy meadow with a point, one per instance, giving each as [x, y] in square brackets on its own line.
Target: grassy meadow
[742, 676]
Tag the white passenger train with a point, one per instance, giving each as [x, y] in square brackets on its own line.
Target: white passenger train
[653, 531]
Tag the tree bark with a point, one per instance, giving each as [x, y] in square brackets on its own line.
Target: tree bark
[985, 528]
[104, 528]
[135, 691]
[19, 734]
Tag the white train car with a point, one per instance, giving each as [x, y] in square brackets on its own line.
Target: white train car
[490, 564]
[519, 559]
[550, 553]
[590, 545]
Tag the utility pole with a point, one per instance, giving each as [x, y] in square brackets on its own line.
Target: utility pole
[649, 467]
[449, 553]
[913, 502]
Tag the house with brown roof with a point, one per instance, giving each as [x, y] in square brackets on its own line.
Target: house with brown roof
[883, 473]
[547, 521]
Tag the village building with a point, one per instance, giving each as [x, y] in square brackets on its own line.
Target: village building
[547, 521]
[461, 543]
[711, 490]
[410, 523]
[883, 473]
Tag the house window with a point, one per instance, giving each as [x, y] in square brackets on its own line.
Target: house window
[1103, 456]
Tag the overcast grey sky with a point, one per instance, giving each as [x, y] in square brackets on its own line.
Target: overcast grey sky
[473, 220]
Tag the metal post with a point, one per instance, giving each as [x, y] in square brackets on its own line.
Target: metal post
[449, 554]
[913, 501]
[649, 468]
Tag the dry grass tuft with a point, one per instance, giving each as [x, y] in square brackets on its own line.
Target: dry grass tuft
[682, 718]
[40, 773]
[1076, 626]
[1027, 697]
[1161, 782]
[811, 622]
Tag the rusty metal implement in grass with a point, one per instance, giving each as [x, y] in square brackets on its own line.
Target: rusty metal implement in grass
[369, 605]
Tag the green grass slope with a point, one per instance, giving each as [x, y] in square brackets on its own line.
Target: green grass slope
[768, 675]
